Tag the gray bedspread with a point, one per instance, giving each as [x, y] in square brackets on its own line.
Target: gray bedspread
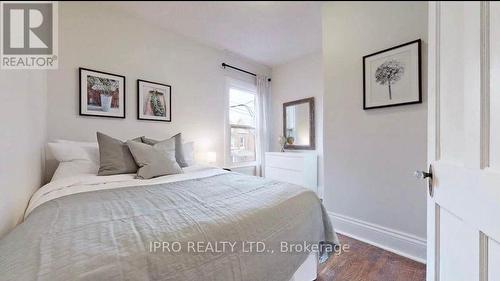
[114, 234]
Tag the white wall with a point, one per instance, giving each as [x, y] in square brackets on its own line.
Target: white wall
[97, 37]
[298, 79]
[370, 156]
[22, 137]
[92, 35]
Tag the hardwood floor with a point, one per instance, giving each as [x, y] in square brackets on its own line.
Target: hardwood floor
[364, 262]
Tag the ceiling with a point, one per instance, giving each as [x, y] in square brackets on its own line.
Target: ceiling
[268, 32]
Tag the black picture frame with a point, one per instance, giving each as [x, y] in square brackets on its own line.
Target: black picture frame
[80, 106]
[169, 118]
[419, 73]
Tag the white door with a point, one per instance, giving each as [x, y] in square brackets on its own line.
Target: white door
[464, 141]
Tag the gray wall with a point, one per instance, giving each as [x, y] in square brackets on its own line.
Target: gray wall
[370, 156]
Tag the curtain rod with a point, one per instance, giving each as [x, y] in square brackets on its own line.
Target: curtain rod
[224, 65]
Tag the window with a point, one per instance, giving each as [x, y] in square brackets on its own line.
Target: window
[242, 123]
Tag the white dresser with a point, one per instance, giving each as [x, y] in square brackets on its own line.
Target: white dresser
[299, 168]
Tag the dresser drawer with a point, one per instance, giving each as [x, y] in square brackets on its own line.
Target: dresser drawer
[290, 176]
[295, 163]
[293, 167]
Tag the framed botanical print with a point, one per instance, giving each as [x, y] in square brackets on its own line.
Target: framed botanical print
[102, 94]
[392, 77]
[154, 101]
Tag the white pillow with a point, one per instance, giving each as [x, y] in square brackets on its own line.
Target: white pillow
[65, 152]
[74, 158]
[92, 148]
[74, 168]
[188, 149]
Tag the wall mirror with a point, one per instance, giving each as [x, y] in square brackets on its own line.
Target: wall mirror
[298, 124]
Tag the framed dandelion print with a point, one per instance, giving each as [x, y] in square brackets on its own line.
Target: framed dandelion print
[392, 77]
[154, 101]
[101, 94]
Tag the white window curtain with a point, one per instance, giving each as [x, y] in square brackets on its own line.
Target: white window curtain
[263, 120]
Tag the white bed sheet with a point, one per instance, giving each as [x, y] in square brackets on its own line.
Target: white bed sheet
[88, 182]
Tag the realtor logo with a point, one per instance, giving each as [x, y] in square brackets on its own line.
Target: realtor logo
[29, 35]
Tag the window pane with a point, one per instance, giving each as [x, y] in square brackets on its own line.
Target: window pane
[241, 107]
[242, 145]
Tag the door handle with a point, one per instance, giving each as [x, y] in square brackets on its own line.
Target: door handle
[426, 175]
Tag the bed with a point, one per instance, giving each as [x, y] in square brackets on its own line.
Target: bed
[203, 224]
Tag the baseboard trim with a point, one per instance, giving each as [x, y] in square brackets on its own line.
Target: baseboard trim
[391, 240]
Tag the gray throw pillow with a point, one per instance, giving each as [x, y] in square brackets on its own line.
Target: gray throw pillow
[115, 156]
[179, 152]
[154, 160]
